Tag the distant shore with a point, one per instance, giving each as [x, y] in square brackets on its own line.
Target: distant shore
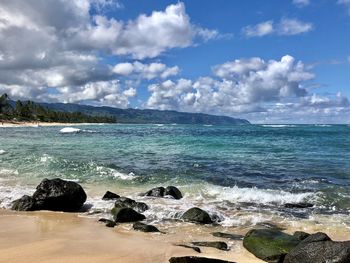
[9, 123]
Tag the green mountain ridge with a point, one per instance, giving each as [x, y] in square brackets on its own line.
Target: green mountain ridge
[144, 116]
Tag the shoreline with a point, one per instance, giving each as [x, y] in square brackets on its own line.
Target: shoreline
[10, 124]
[46, 236]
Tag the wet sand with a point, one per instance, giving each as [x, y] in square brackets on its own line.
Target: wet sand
[68, 237]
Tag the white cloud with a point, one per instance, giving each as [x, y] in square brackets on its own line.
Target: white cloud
[145, 71]
[51, 46]
[289, 27]
[259, 30]
[242, 86]
[301, 3]
[286, 27]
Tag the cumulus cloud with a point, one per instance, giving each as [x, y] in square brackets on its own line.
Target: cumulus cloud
[56, 45]
[239, 86]
[301, 3]
[146, 71]
[285, 27]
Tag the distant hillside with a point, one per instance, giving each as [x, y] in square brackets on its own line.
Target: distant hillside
[146, 116]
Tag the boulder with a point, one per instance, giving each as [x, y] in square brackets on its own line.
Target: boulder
[270, 245]
[192, 259]
[228, 235]
[197, 215]
[128, 202]
[156, 192]
[215, 244]
[56, 195]
[321, 249]
[298, 205]
[144, 227]
[162, 192]
[25, 203]
[173, 191]
[126, 215]
[110, 196]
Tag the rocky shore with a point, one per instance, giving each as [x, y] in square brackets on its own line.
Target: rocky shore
[267, 243]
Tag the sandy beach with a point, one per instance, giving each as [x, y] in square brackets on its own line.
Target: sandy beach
[67, 237]
[9, 124]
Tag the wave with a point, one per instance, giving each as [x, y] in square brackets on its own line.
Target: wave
[255, 195]
[70, 130]
[2, 152]
[278, 125]
[207, 125]
[322, 125]
[110, 172]
[4, 171]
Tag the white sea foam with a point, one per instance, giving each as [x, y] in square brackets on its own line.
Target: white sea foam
[323, 125]
[4, 171]
[9, 193]
[110, 172]
[254, 195]
[70, 130]
[207, 125]
[2, 152]
[278, 125]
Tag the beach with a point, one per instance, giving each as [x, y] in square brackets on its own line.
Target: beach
[64, 237]
[14, 124]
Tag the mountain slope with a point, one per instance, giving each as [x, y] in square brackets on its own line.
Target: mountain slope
[147, 116]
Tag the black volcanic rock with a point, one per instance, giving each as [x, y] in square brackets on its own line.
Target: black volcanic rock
[128, 202]
[298, 205]
[144, 227]
[173, 191]
[126, 215]
[192, 259]
[215, 244]
[25, 203]
[156, 192]
[197, 215]
[321, 249]
[55, 195]
[110, 196]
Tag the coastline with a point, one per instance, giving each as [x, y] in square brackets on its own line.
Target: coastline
[56, 237]
[9, 124]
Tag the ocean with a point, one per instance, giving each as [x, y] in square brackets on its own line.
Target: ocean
[243, 175]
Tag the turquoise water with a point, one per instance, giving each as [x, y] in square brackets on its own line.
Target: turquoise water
[256, 167]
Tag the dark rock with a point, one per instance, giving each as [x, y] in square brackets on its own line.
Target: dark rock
[109, 223]
[59, 195]
[110, 196]
[319, 248]
[56, 195]
[270, 245]
[317, 237]
[227, 235]
[127, 202]
[215, 244]
[25, 203]
[173, 191]
[156, 192]
[144, 228]
[125, 215]
[301, 235]
[197, 215]
[268, 225]
[161, 192]
[298, 205]
[191, 259]
[197, 249]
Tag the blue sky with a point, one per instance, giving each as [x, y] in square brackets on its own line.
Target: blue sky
[268, 61]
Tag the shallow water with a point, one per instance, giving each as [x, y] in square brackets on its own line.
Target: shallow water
[242, 174]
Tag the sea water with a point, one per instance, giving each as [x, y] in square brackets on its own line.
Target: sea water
[242, 175]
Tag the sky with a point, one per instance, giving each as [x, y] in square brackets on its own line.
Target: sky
[272, 61]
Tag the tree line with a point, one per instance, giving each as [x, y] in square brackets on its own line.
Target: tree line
[31, 111]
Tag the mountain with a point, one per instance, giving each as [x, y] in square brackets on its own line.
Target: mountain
[146, 116]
